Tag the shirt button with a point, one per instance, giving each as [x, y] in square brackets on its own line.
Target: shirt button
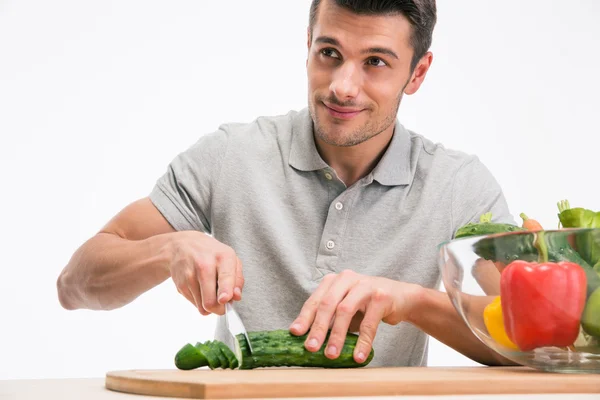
[339, 206]
[328, 176]
[330, 244]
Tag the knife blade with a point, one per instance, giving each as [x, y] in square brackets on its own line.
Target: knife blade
[235, 326]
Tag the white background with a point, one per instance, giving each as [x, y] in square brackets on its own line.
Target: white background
[96, 97]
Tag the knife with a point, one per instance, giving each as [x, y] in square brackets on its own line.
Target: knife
[235, 327]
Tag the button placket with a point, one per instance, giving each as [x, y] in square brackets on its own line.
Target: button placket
[330, 240]
[332, 235]
[340, 221]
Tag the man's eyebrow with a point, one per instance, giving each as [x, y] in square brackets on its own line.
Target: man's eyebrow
[327, 40]
[380, 50]
[371, 50]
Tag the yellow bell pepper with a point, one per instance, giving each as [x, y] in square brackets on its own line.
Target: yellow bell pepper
[494, 322]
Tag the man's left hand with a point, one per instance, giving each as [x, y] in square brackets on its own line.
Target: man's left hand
[352, 302]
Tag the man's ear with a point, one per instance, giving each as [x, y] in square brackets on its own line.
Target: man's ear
[418, 75]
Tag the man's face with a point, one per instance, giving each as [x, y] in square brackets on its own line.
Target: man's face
[358, 68]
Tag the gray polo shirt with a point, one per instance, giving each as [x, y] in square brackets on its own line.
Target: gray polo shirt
[263, 189]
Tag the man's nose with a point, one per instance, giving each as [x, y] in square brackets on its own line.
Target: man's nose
[346, 82]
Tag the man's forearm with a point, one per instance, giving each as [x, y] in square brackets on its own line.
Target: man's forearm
[436, 316]
[108, 272]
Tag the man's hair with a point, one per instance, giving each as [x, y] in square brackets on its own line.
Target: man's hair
[420, 13]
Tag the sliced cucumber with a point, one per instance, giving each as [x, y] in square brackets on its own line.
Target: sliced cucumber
[189, 357]
[231, 358]
[209, 353]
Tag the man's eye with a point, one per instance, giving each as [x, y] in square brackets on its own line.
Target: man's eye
[329, 53]
[376, 62]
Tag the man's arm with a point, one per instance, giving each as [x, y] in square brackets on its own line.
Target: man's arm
[435, 315]
[165, 235]
[125, 259]
[137, 250]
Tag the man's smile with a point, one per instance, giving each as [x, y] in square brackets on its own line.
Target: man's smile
[342, 112]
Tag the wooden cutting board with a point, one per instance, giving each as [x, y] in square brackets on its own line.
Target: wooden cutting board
[305, 382]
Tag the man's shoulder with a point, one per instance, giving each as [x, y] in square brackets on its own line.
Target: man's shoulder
[472, 186]
[248, 140]
[436, 155]
[261, 128]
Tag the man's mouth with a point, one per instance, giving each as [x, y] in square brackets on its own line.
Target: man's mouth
[341, 112]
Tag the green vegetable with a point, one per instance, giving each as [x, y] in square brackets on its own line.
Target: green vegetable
[553, 246]
[232, 360]
[277, 348]
[189, 357]
[485, 226]
[216, 351]
[588, 244]
[210, 354]
[281, 348]
[590, 319]
[577, 217]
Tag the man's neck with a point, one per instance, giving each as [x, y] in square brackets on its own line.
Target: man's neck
[355, 162]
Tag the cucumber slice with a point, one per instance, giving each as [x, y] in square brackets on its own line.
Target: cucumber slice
[231, 358]
[189, 357]
[214, 347]
[211, 358]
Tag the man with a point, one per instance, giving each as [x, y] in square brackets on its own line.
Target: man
[325, 217]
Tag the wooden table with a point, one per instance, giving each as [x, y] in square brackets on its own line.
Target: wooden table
[93, 389]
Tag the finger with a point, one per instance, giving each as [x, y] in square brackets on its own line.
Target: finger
[326, 309]
[185, 292]
[226, 275]
[345, 312]
[376, 311]
[194, 290]
[239, 280]
[307, 313]
[207, 276]
[181, 282]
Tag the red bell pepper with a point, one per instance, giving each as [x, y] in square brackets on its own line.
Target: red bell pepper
[542, 303]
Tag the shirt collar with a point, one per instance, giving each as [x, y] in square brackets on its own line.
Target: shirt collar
[304, 155]
[393, 169]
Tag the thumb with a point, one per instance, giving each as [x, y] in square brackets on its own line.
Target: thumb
[239, 281]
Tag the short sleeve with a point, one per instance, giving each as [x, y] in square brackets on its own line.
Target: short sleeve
[475, 191]
[183, 194]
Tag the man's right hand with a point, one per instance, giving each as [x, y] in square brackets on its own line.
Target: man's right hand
[137, 250]
[207, 272]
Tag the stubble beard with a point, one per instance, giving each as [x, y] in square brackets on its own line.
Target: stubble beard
[337, 134]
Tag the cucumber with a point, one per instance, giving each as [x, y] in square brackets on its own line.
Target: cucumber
[189, 357]
[212, 360]
[507, 248]
[590, 319]
[280, 348]
[485, 226]
[276, 348]
[232, 361]
[215, 349]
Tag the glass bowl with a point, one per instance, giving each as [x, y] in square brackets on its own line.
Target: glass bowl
[533, 297]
